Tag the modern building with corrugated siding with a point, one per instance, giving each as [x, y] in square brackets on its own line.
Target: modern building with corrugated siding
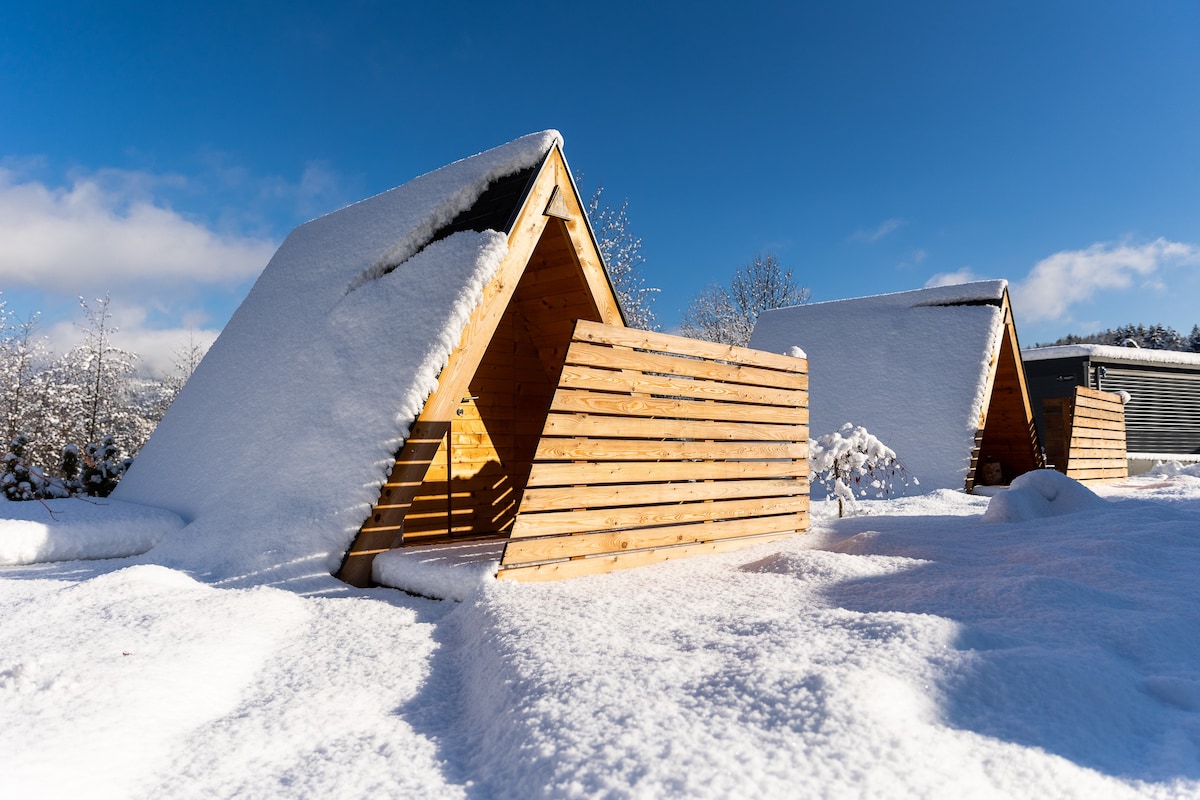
[1162, 415]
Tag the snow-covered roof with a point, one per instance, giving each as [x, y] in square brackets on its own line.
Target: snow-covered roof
[911, 367]
[275, 450]
[1104, 352]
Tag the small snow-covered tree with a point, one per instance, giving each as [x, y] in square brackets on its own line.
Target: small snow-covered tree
[20, 480]
[728, 315]
[103, 467]
[68, 468]
[621, 252]
[853, 462]
[1194, 339]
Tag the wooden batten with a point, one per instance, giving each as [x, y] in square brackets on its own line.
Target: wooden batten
[1006, 442]
[1085, 435]
[657, 447]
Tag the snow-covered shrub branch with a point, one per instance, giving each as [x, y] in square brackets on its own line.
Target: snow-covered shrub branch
[101, 463]
[622, 255]
[852, 462]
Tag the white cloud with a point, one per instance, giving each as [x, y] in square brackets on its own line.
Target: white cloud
[157, 348]
[962, 275]
[104, 230]
[1074, 276]
[885, 227]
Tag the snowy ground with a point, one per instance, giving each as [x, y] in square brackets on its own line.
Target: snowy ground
[1049, 649]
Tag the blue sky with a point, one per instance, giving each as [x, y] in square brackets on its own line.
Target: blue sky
[162, 151]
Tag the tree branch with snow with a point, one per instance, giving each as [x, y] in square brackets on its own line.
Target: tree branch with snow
[853, 462]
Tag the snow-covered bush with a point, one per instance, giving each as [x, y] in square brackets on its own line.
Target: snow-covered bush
[852, 462]
[69, 469]
[102, 467]
[20, 480]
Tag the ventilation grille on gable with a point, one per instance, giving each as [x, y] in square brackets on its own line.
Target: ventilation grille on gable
[495, 210]
[953, 303]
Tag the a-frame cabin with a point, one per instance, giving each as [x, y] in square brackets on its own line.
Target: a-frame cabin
[460, 473]
[935, 373]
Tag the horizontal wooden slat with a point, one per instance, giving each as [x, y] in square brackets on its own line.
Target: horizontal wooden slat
[617, 427]
[1084, 453]
[601, 449]
[1083, 464]
[1114, 473]
[608, 496]
[591, 355]
[525, 551]
[648, 340]
[550, 523]
[567, 474]
[585, 402]
[1109, 411]
[625, 381]
[1091, 420]
[602, 564]
[1080, 435]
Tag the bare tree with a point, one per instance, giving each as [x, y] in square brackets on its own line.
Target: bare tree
[103, 372]
[622, 255]
[25, 359]
[728, 315]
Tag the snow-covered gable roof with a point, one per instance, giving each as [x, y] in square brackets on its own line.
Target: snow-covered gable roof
[912, 367]
[275, 449]
[1131, 355]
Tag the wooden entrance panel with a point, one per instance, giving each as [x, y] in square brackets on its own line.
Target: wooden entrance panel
[473, 482]
[467, 483]
[657, 447]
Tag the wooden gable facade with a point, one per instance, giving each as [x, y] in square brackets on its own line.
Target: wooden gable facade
[463, 471]
[1006, 444]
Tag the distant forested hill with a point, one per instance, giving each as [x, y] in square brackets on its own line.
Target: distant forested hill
[1151, 337]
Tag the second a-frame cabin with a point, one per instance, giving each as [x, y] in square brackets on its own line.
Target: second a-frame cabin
[447, 362]
[934, 373]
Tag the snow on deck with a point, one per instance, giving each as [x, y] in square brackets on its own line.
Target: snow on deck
[275, 450]
[441, 571]
[910, 367]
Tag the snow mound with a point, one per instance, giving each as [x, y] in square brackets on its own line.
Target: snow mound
[1173, 469]
[66, 530]
[445, 572]
[1041, 493]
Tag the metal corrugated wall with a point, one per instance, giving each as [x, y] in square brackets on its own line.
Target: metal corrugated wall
[1163, 415]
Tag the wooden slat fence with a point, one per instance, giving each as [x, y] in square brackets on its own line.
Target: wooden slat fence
[657, 447]
[1085, 435]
